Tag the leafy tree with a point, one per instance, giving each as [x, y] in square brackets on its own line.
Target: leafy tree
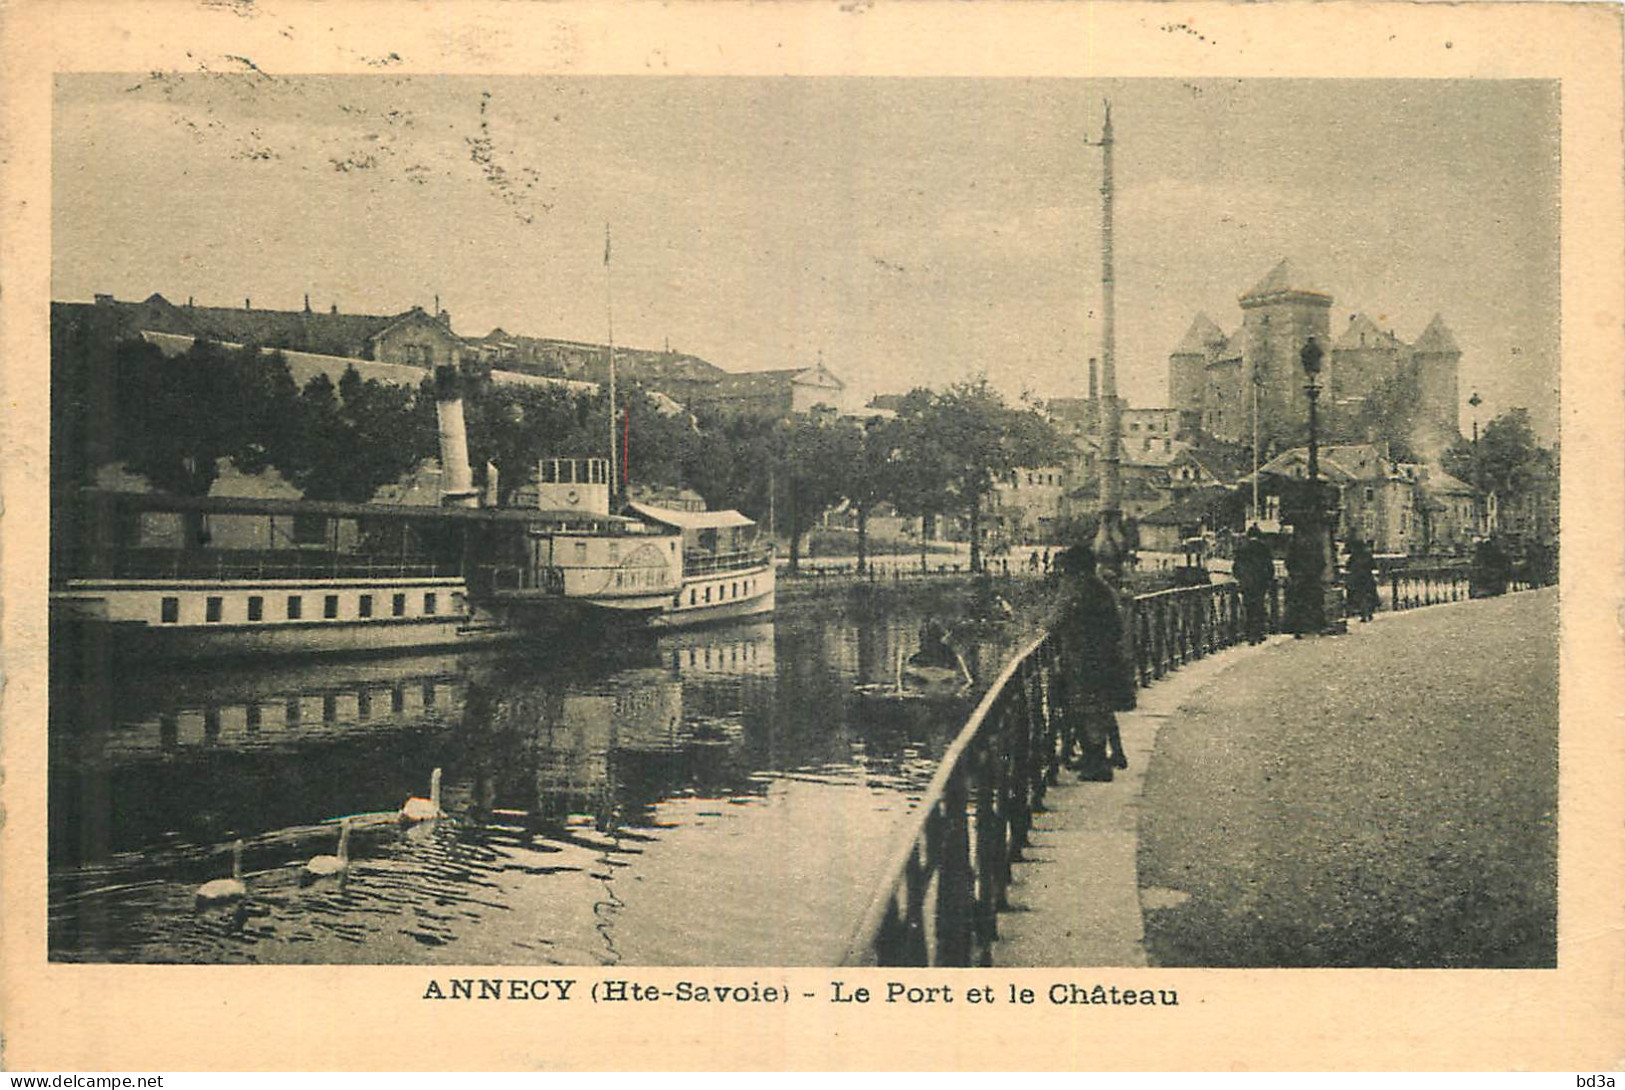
[353, 438]
[808, 457]
[178, 418]
[969, 438]
[869, 476]
[1507, 454]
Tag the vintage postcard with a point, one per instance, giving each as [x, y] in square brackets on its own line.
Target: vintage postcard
[854, 535]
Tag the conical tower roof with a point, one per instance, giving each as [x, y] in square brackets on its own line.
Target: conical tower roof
[1283, 279]
[1202, 334]
[1437, 338]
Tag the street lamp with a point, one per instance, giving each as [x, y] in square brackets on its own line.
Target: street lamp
[1311, 357]
[1312, 563]
[1478, 468]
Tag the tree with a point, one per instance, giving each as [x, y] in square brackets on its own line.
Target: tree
[868, 474]
[807, 458]
[353, 438]
[178, 418]
[970, 439]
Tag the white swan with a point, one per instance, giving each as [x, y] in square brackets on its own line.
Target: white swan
[223, 891]
[417, 809]
[330, 866]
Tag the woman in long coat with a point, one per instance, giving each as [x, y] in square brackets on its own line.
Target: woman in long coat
[1095, 679]
[1361, 575]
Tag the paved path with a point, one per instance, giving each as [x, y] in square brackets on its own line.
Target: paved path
[1382, 798]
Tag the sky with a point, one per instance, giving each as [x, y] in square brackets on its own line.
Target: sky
[908, 231]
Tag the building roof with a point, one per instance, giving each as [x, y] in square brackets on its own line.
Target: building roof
[1354, 462]
[1362, 332]
[1438, 338]
[1192, 507]
[305, 366]
[1202, 337]
[1284, 279]
[690, 520]
[1437, 480]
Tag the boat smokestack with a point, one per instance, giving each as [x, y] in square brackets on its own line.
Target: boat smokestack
[456, 479]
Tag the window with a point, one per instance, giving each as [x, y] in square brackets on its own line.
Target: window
[397, 606]
[1370, 493]
[211, 609]
[330, 607]
[708, 595]
[581, 552]
[256, 608]
[693, 597]
[296, 607]
[431, 602]
[310, 529]
[169, 610]
[365, 605]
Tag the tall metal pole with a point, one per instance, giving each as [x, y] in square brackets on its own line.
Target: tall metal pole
[1110, 545]
[609, 318]
[1256, 385]
[1480, 515]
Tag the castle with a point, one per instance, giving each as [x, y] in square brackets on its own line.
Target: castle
[1212, 377]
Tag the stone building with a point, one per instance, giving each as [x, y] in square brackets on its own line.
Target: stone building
[1215, 377]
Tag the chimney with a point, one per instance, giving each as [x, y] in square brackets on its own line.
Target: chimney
[1094, 378]
[456, 479]
[248, 304]
[188, 302]
[307, 302]
[103, 300]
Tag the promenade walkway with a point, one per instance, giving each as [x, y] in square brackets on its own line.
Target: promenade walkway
[1384, 798]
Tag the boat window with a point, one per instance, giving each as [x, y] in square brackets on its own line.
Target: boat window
[693, 597]
[296, 607]
[330, 606]
[170, 610]
[211, 609]
[581, 552]
[431, 602]
[398, 605]
[256, 608]
[366, 605]
[708, 594]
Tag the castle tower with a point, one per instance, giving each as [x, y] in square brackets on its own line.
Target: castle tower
[1278, 317]
[1363, 356]
[1187, 364]
[1437, 359]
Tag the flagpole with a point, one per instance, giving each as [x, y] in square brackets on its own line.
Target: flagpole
[609, 316]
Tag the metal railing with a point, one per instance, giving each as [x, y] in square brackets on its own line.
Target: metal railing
[947, 881]
[698, 563]
[1169, 628]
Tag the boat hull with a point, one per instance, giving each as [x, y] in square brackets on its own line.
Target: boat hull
[722, 596]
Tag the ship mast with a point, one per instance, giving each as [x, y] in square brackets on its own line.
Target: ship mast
[609, 320]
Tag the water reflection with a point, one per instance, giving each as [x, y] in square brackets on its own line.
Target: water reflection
[716, 797]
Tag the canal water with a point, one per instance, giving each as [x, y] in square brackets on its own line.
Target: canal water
[716, 797]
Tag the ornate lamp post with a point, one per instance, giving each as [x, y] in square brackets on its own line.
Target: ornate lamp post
[1478, 469]
[1312, 564]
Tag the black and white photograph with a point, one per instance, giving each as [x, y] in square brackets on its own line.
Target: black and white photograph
[598, 521]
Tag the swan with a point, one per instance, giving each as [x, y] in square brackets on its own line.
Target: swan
[223, 891]
[418, 809]
[330, 866]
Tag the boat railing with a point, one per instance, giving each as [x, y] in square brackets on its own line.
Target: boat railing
[490, 578]
[702, 563]
[235, 565]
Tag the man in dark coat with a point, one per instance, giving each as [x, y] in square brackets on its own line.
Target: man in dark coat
[1095, 681]
[1255, 571]
[1361, 577]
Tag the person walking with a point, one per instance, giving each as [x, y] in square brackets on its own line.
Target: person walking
[1095, 680]
[1362, 579]
[1255, 571]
